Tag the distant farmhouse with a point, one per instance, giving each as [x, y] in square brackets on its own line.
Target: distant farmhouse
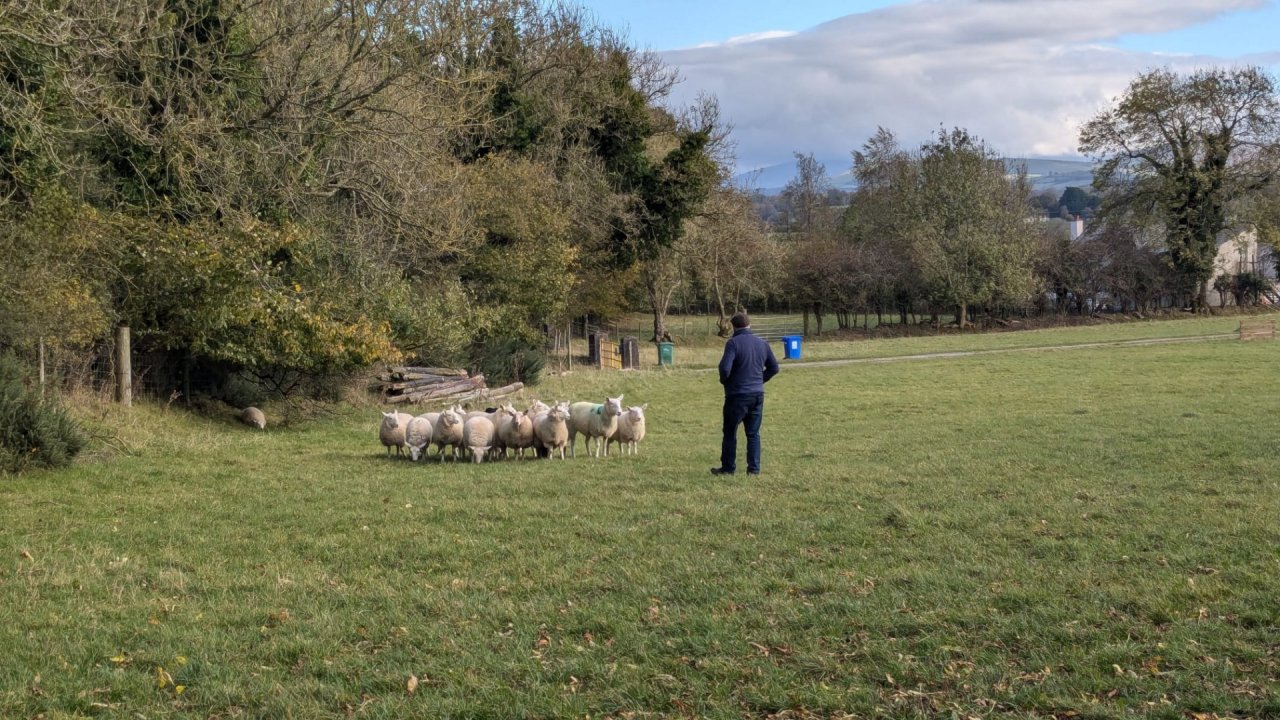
[1239, 254]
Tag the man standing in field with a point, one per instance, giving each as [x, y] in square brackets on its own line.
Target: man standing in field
[748, 364]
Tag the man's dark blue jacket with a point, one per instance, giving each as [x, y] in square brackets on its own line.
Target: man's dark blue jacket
[747, 365]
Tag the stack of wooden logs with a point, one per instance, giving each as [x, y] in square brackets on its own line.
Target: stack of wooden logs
[446, 386]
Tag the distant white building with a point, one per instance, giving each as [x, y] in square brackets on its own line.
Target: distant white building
[1076, 226]
[1237, 254]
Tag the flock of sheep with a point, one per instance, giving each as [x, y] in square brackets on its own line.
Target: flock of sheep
[544, 429]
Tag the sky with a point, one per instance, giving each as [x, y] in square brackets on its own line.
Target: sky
[819, 76]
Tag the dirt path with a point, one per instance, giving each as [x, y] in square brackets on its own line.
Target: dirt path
[972, 353]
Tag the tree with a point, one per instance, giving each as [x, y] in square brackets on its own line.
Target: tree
[668, 195]
[1077, 200]
[295, 186]
[947, 219]
[806, 196]
[1184, 149]
[888, 190]
[728, 253]
[972, 242]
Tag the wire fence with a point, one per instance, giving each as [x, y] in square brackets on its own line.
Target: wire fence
[95, 370]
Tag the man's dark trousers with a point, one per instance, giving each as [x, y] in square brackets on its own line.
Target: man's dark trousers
[747, 410]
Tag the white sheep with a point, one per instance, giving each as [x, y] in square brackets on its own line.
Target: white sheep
[536, 408]
[630, 429]
[552, 428]
[478, 434]
[391, 431]
[253, 417]
[417, 435]
[433, 418]
[492, 416]
[594, 421]
[515, 429]
[448, 431]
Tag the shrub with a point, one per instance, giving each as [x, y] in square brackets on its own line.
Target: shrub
[34, 433]
[509, 357]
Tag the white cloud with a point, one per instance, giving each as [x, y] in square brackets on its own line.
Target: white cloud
[753, 37]
[1022, 74]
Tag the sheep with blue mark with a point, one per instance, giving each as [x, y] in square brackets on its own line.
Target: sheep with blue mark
[594, 422]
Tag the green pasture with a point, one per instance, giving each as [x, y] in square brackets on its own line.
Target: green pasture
[696, 344]
[1078, 533]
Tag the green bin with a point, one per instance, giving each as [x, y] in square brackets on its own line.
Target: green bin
[666, 353]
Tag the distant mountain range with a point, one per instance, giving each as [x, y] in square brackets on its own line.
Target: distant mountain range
[1045, 174]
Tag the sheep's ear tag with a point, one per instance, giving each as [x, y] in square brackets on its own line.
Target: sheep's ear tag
[598, 409]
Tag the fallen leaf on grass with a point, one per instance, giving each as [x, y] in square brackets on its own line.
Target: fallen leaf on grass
[412, 685]
[26, 555]
[1037, 677]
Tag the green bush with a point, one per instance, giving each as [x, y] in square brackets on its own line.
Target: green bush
[34, 433]
[514, 356]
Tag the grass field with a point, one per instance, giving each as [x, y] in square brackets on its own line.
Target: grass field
[1083, 533]
[700, 347]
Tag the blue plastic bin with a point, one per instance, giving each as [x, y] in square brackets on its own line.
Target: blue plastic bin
[791, 346]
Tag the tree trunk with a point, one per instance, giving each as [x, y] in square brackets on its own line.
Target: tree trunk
[660, 332]
[722, 320]
[659, 302]
[817, 316]
[963, 315]
[805, 310]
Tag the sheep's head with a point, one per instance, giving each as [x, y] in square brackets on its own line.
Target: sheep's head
[613, 406]
[451, 417]
[560, 411]
[538, 407]
[390, 421]
[635, 413]
[415, 453]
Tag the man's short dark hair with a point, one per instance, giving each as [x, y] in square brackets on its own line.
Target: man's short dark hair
[740, 320]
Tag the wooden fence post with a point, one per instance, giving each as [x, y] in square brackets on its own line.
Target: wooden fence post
[124, 368]
[42, 376]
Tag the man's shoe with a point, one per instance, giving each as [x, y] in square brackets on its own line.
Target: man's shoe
[721, 471]
[753, 472]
